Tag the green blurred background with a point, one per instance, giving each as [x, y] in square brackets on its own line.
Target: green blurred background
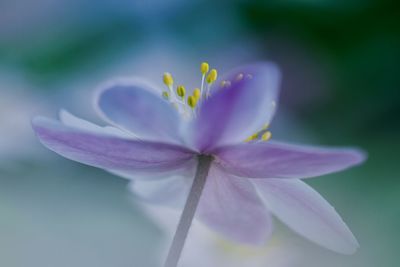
[339, 61]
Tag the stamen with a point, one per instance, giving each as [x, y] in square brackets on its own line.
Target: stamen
[212, 76]
[168, 80]
[266, 136]
[176, 97]
[197, 93]
[252, 137]
[204, 67]
[181, 91]
[192, 101]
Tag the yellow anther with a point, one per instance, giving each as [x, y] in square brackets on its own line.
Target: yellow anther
[167, 79]
[192, 101]
[252, 137]
[197, 93]
[165, 95]
[266, 136]
[204, 67]
[181, 91]
[212, 76]
[239, 77]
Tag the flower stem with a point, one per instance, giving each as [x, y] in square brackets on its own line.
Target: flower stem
[189, 211]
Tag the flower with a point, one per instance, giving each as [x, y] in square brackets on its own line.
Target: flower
[157, 137]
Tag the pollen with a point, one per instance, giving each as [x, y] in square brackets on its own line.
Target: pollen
[167, 79]
[212, 76]
[266, 136]
[204, 67]
[192, 101]
[252, 137]
[197, 93]
[181, 91]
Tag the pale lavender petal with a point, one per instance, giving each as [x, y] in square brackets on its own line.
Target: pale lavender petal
[109, 152]
[232, 114]
[186, 170]
[307, 213]
[136, 108]
[230, 206]
[71, 120]
[169, 192]
[279, 160]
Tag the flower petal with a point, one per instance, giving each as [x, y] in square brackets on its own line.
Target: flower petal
[71, 120]
[279, 160]
[307, 213]
[109, 152]
[134, 106]
[185, 170]
[169, 192]
[230, 205]
[232, 114]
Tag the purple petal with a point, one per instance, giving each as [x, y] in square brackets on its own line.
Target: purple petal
[279, 160]
[232, 114]
[307, 213]
[135, 107]
[108, 152]
[230, 205]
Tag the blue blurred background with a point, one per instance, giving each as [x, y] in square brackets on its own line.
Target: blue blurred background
[339, 61]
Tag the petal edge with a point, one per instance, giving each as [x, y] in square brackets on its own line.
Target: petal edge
[306, 212]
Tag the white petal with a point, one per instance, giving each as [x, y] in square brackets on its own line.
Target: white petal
[307, 213]
[170, 192]
[71, 120]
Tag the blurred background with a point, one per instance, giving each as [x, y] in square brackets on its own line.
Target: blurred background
[339, 61]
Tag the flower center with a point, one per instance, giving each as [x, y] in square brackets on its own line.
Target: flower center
[187, 104]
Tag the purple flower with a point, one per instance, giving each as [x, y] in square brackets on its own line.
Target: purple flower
[157, 142]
